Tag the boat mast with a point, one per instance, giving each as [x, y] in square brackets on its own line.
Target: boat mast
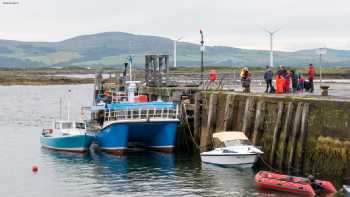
[130, 65]
[68, 104]
[60, 109]
[132, 84]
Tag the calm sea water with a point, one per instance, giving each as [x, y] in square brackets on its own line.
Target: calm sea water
[25, 110]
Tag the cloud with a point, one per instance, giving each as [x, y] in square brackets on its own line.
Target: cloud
[305, 24]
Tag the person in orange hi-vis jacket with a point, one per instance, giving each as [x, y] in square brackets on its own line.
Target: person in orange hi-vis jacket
[281, 78]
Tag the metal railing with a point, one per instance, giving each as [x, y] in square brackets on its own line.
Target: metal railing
[141, 114]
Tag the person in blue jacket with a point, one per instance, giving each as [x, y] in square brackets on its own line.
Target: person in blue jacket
[268, 76]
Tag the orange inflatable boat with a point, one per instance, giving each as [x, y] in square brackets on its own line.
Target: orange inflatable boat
[292, 184]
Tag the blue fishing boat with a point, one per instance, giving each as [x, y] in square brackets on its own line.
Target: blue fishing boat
[128, 119]
[150, 125]
[67, 136]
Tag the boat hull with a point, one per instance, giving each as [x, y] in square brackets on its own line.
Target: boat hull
[154, 135]
[229, 160]
[69, 143]
[347, 189]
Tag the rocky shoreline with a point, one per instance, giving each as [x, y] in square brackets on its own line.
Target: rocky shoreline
[50, 76]
[42, 77]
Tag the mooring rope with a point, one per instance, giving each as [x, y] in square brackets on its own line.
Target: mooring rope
[188, 125]
[274, 169]
[268, 165]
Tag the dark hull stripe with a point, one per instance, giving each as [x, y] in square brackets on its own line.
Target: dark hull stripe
[224, 155]
[64, 150]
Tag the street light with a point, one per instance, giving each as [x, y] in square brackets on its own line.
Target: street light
[321, 51]
[202, 53]
[175, 41]
[271, 34]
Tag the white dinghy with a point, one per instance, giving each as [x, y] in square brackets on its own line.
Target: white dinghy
[346, 189]
[237, 151]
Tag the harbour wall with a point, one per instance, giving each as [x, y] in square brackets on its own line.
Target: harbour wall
[298, 134]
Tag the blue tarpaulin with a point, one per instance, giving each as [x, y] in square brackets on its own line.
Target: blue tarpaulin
[148, 105]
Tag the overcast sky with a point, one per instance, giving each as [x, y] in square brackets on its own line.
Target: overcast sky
[237, 23]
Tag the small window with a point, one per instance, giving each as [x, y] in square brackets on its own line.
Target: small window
[228, 151]
[57, 125]
[246, 142]
[67, 125]
[237, 142]
[80, 125]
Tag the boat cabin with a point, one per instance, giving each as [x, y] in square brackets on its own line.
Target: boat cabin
[69, 125]
[66, 128]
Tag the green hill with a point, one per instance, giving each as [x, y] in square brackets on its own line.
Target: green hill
[112, 48]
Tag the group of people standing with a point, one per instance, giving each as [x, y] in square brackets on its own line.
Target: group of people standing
[287, 81]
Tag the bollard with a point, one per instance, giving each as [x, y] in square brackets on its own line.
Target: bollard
[246, 89]
[324, 90]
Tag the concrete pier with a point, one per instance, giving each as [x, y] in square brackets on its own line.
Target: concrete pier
[300, 135]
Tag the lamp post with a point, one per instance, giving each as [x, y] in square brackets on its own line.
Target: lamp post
[175, 42]
[321, 51]
[202, 53]
[324, 88]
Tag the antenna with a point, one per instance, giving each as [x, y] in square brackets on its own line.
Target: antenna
[271, 34]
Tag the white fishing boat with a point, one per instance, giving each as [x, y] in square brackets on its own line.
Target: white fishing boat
[66, 135]
[70, 136]
[237, 151]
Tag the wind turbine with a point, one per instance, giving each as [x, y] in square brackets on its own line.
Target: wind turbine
[175, 41]
[271, 34]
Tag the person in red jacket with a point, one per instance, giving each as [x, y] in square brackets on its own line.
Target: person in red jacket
[212, 79]
[311, 77]
[287, 82]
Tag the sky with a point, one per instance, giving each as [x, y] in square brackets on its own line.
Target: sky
[236, 23]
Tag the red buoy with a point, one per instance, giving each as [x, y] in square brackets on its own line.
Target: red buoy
[35, 168]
